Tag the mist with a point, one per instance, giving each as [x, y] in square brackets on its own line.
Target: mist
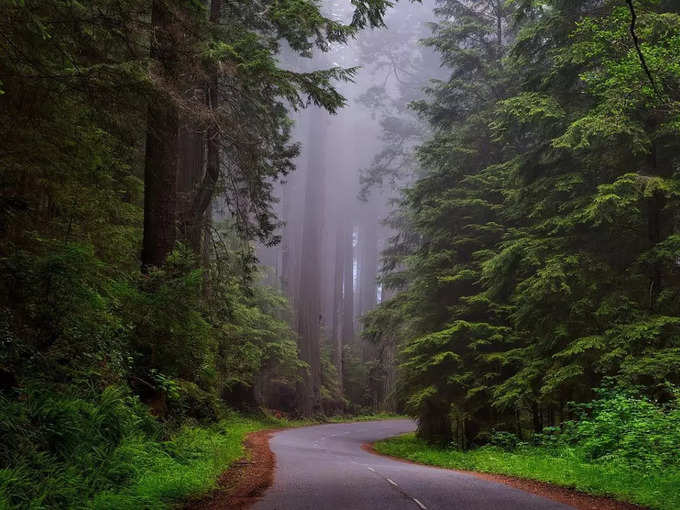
[334, 206]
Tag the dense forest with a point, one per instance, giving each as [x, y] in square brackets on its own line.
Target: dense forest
[536, 252]
[466, 211]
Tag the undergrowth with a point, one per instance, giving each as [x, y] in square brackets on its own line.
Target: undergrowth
[109, 453]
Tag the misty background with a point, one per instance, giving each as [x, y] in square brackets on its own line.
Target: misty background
[334, 207]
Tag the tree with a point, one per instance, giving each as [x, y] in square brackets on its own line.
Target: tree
[309, 305]
[248, 117]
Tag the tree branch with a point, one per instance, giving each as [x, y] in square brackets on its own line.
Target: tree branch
[636, 41]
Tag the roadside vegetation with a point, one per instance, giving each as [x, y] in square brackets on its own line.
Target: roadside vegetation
[623, 446]
[64, 451]
[110, 453]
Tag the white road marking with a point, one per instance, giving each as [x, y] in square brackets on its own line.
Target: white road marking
[371, 469]
[422, 507]
[392, 482]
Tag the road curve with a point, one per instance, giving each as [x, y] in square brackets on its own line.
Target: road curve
[324, 468]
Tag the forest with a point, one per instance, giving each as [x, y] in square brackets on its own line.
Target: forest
[220, 216]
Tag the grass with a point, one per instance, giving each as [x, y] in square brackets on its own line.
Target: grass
[139, 472]
[366, 417]
[189, 465]
[183, 468]
[564, 467]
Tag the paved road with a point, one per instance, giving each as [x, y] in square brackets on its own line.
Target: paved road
[324, 468]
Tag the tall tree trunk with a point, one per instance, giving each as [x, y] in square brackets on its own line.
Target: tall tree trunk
[200, 216]
[160, 170]
[348, 285]
[368, 244]
[309, 305]
[189, 177]
[285, 240]
[337, 302]
[389, 402]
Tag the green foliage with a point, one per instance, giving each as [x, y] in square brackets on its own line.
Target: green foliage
[106, 451]
[537, 253]
[630, 430]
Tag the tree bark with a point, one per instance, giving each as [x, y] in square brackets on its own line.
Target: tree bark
[160, 170]
[337, 303]
[368, 270]
[190, 175]
[199, 216]
[348, 286]
[309, 306]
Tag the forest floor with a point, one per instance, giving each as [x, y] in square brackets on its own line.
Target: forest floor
[563, 478]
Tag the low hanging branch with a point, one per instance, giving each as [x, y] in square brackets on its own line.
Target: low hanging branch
[636, 41]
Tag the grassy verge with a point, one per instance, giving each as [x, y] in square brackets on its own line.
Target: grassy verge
[64, 451]
[137, 470]
[185, 467]
[366, 417]
[565, 467]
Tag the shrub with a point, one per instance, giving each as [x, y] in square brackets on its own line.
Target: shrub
[624, 427]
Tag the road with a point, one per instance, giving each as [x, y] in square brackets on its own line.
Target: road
[324, 468]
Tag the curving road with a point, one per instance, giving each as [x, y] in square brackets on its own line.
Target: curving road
[324, 468]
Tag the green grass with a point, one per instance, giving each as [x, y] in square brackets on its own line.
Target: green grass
[366, 417]
[185, 467]
[564, 466]
[109, 453]
[139, 472]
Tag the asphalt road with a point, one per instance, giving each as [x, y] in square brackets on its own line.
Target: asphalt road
[324, 468]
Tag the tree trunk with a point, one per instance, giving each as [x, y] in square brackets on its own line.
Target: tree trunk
[434, 424]
[348, 286]
[368, 271]
[309, 306]
[285, 240]
[160, 171]
[199, 216]
[190, 175]
[337, 303]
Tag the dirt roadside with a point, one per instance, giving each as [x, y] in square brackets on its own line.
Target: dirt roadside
[246, 480]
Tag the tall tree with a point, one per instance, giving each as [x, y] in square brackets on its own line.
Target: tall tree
[309, 296]
[338, 278]
[162, 141]
[347, 329]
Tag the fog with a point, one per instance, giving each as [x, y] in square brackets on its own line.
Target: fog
[348, 175]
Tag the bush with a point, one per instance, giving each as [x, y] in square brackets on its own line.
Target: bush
[623, 427]
[504, 440]
[58, 450]
[67, 451]
[193, 402]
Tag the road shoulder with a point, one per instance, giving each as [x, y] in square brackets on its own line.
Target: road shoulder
[245, 481]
